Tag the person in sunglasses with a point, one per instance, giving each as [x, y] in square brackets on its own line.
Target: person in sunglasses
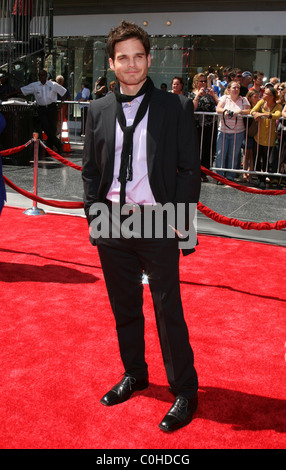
[281, 93]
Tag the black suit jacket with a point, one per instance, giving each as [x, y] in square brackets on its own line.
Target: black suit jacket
[172, 150]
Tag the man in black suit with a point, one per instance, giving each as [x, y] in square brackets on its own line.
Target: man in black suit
[140, 155]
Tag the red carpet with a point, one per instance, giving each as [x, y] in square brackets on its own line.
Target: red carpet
[59, 352]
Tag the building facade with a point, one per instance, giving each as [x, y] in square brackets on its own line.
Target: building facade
[186, 38]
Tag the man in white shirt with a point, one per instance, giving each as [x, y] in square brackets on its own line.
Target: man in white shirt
[46, 94]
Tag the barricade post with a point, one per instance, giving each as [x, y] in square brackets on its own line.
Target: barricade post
[35, 210]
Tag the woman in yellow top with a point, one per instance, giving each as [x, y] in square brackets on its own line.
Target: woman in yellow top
[266, 112]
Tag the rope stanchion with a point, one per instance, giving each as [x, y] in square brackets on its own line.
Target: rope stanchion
[58, 204]
[35, 210]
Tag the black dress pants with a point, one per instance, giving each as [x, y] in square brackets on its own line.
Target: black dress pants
[123, 261]
[48, 116]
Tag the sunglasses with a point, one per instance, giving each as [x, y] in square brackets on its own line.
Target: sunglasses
[202, 81]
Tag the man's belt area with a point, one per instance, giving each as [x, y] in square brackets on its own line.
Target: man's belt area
[129, 209]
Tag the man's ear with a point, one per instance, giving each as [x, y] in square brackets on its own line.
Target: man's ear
[149, 60]
[111, 64]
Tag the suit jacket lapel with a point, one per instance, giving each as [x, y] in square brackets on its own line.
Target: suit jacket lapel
[109, 121]
[155, 123]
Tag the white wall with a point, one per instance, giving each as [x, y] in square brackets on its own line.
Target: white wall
[191, 23]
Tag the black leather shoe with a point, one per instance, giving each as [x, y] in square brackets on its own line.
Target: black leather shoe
[180, 414]
[123, 390]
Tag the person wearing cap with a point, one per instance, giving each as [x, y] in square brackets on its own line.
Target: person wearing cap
[246, 80]
[268, 85]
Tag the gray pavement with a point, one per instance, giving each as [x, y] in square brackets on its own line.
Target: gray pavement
[62, 183]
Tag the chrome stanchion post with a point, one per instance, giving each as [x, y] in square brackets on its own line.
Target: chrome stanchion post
[35, 210]
[145, 278]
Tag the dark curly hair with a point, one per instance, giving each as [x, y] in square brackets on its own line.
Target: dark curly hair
[124, 31]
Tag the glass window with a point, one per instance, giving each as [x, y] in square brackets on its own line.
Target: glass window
[245, 42]
[245, 61]
[85, 58]
[78, 60]
[168, 59]
[212, 42]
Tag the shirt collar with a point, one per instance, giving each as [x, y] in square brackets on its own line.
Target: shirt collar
[136, 101]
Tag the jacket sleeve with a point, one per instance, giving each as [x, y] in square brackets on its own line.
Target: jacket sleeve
[188, 164]
[90, 172]
[257, 107]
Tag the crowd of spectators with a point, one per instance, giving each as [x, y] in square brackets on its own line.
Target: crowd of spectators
[238, 122]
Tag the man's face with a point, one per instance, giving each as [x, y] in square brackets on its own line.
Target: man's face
[247, 80]
[130, 65]
[259, 80]
[238, 77]
[43, 76]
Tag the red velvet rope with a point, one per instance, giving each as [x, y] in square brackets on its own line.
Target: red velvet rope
[59, 158]
[48, 202]
[8, 152]
[266, 192]
[279, 225]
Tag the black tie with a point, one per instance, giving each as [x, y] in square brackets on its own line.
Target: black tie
[126, 172]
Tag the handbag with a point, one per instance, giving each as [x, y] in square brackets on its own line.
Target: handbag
[253, 128]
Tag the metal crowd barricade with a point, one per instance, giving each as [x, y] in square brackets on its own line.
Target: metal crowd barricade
[279, 148]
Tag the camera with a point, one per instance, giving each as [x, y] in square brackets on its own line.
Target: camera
[230, 114]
